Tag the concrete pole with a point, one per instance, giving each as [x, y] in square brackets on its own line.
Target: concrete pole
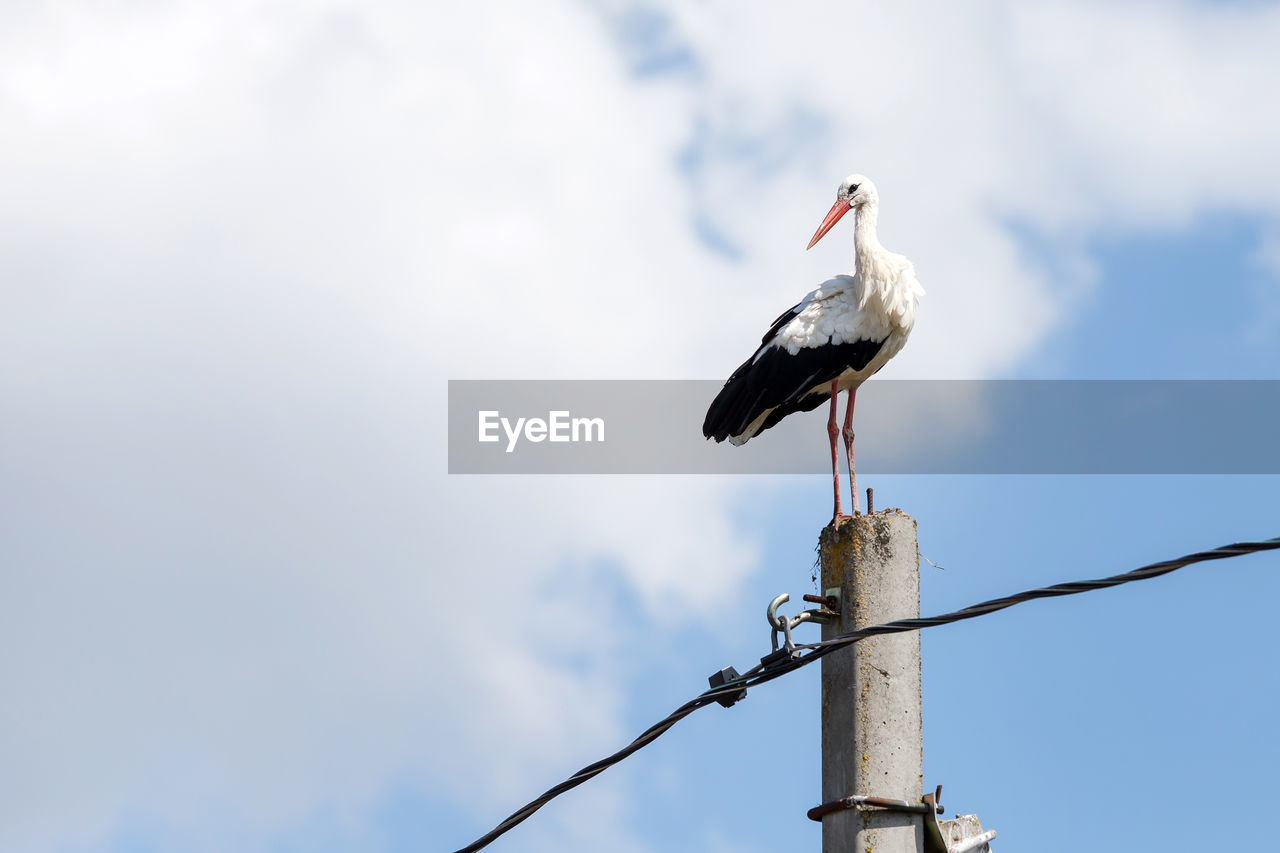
[871, 729]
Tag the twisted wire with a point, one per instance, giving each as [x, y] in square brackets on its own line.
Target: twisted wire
[808, 653]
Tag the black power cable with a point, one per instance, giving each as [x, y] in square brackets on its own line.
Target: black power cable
[807, 654]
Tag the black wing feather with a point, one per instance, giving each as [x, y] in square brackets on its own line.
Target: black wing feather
[775, 379]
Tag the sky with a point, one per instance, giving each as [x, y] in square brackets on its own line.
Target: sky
[245, 245]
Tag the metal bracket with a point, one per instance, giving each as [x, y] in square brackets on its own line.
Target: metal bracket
[781, 624]
[933, 841]
[778, 623]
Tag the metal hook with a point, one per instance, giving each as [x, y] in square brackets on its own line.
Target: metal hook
[776, 622]
[783, 624]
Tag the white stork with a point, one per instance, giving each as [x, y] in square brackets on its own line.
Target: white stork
[832, 341]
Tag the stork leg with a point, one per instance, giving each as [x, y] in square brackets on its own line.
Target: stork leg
[847, 432]
[832, 431]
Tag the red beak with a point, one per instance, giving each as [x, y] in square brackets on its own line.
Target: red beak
[840, 208]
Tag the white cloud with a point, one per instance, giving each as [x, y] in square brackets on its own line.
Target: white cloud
[244, 246]
[1155, 114]
[247, 248]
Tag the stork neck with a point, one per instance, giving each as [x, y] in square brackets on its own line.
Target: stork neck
[865, 241]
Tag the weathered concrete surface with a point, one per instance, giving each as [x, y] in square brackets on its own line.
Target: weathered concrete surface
[871, 726]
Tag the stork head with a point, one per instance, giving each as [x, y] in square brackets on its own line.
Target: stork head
[854, 192]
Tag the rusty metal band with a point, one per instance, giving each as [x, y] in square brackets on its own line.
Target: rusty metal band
[859, 801]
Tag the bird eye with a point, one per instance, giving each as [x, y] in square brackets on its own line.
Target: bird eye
[853, 188]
